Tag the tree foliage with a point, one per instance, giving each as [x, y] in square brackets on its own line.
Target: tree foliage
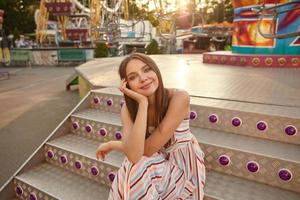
[218, 11]
[152, 47]
[141, 13]
[19, 16]
[101, 50]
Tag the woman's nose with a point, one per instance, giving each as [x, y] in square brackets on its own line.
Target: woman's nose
[143, 77]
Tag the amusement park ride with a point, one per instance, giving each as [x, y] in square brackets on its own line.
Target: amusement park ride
[264, 35]
[87, 23]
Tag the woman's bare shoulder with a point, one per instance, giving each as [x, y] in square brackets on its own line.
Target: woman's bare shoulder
[179, 100]
[175, 94]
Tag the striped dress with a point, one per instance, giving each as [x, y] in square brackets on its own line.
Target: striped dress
[177, 172]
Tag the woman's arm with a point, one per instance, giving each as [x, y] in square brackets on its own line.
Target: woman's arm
[106, 147]
[134, 133]
[132, 144]
[177, 111]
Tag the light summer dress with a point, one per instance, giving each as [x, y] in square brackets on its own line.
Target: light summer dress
[177, 172]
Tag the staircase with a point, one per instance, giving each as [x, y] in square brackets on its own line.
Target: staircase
[252, 151]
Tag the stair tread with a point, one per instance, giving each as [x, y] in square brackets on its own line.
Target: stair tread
[98, 115]
[258, 146]
[85, 147]
[62, 184]
[274, 149]
[53, 180]
[221, 186]
[266, 109]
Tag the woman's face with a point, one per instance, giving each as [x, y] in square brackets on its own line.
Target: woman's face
[141, 78]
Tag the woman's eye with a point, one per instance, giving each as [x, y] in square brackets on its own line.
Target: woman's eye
[131, 78]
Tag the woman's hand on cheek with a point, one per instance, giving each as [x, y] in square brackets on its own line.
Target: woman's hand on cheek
[132, 94]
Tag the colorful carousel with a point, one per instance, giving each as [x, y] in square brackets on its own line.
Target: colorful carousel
[265, 34]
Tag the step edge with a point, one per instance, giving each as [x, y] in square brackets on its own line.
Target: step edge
[79, 153]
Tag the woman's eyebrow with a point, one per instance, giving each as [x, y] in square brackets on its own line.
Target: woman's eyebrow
[144, 66]
[135, 72]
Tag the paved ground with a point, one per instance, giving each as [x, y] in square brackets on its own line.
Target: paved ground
[32, 103]
[272, 86]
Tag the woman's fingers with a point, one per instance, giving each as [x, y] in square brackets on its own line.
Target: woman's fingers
[101, 152]
[124, 89]
[100, 155]
[132, 94]
[123, 85]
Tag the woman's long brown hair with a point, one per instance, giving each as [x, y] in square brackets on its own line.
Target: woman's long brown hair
[161, 94]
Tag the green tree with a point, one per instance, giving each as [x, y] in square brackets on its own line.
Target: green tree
[228, 11]
[152, 47]
[218, 11]
[142, 13]
[101, 50]
[19, 16]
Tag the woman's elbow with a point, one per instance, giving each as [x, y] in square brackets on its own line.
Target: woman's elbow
[134, 158]
[148, 154]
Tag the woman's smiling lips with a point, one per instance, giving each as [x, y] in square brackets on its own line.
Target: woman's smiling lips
[146, 86]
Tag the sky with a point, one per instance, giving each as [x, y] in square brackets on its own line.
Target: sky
[172, 5]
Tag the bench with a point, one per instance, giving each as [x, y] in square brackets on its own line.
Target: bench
[21, 55]
[67, 55]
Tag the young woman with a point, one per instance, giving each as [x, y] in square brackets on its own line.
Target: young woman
[163, 158]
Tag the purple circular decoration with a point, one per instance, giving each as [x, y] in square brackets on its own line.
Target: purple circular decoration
[88, 128]
[96, 100]
[290, 130]
[253, 166]
[32, 196]
[118, 135]
[213, 118]
[262, 125]
[111, 176]
[285, 174]
[63, 159]
[236, 121]
[19, 190]
[78, 164]
[75, 125]
[50, 154]
[109, 102]
[193, 115]
[224, 160]
[103, 132]
[94, 170]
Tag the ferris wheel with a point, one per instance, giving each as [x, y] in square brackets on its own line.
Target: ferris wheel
[89, 20]
[79, 18]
